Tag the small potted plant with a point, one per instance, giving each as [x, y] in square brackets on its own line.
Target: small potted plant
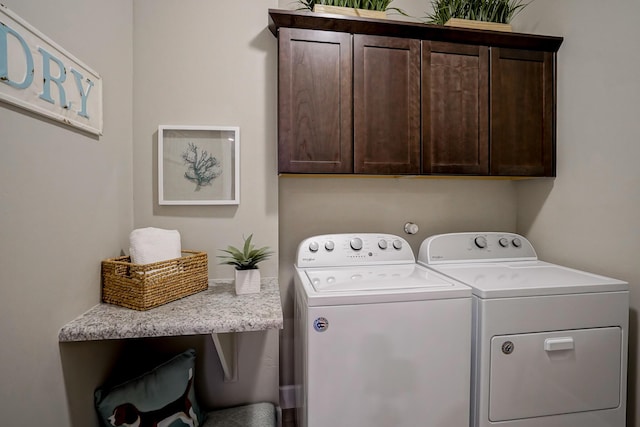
[247, 277]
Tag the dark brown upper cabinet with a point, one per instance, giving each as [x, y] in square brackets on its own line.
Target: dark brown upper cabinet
[386, 96]
[370, 96]
[455, 108]
[315, 120]
[522, 113]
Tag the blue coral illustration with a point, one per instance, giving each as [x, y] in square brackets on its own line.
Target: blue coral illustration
[202, 167]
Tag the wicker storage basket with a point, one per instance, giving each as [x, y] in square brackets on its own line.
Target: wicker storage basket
[142, 287]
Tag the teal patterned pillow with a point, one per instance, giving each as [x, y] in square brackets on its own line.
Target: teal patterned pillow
[164, 396]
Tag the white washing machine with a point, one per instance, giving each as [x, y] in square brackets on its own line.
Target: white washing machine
[549, 343]
[379, 340]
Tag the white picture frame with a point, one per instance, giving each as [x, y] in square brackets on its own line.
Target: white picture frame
[198, 165]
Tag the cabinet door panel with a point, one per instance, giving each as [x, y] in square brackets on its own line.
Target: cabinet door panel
[455, 104]
[522, 113]
[314, 102]
[386, 105]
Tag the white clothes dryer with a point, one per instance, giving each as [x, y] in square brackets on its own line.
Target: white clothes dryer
[379, 340]
[549, 343]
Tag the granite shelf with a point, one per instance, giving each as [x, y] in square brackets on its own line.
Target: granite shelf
[218, 312]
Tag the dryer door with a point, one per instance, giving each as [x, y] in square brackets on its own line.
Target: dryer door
[539, 374]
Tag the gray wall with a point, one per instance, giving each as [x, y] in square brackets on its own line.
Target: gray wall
[200, 62]
[588, 216]
[65, 204]
[208, 63]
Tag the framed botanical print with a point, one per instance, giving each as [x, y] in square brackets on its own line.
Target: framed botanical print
[198, 165]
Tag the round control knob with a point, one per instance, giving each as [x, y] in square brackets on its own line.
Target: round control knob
[516, 242]
[397, 244]
[382, 244]
[481, 242]
[503, 242]
[329, 245]
[313, 246]
[356, 243]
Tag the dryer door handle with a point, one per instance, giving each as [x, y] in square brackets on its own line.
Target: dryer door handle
[557, 344]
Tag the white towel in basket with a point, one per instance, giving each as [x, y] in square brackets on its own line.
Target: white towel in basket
[148, 245]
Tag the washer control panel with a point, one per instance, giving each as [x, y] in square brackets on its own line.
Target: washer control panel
[475, 247]
[337, 250]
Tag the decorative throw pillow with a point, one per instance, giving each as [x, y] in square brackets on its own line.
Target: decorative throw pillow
[163, 396]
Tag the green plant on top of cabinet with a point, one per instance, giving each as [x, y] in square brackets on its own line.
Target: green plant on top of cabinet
[498, 11]
[355, 4]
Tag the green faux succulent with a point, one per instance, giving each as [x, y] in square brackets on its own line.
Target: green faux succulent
[500, 11]
[247, 258]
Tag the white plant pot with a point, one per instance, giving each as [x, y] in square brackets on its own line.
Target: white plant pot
[247, 281]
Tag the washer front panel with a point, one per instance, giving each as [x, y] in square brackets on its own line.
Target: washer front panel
[402, 364]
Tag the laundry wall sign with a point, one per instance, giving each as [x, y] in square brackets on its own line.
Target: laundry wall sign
[38, 75]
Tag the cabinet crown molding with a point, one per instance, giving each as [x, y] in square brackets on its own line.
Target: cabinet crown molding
[392, 28]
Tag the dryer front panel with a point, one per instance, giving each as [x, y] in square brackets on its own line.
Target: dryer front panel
[553, 373]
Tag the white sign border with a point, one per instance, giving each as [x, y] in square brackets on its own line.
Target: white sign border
[43, 111]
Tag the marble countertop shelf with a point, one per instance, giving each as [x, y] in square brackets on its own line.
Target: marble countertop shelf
[216, 310]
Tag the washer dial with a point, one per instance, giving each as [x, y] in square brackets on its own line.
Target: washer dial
[356, 243]
[481, 242]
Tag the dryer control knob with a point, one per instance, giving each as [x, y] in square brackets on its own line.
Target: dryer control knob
[481, 242]
[313, 246]
[504, 242]
[382, 244]
[356, 243]
[517, 242]
[397, 244]
[329, 245]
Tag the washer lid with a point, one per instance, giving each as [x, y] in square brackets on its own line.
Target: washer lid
[374, 278]
[528, 278]
[378, 284]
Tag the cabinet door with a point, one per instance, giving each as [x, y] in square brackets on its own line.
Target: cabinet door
[314, 102]
[386, 95]
[522, 113]
[455, 105]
